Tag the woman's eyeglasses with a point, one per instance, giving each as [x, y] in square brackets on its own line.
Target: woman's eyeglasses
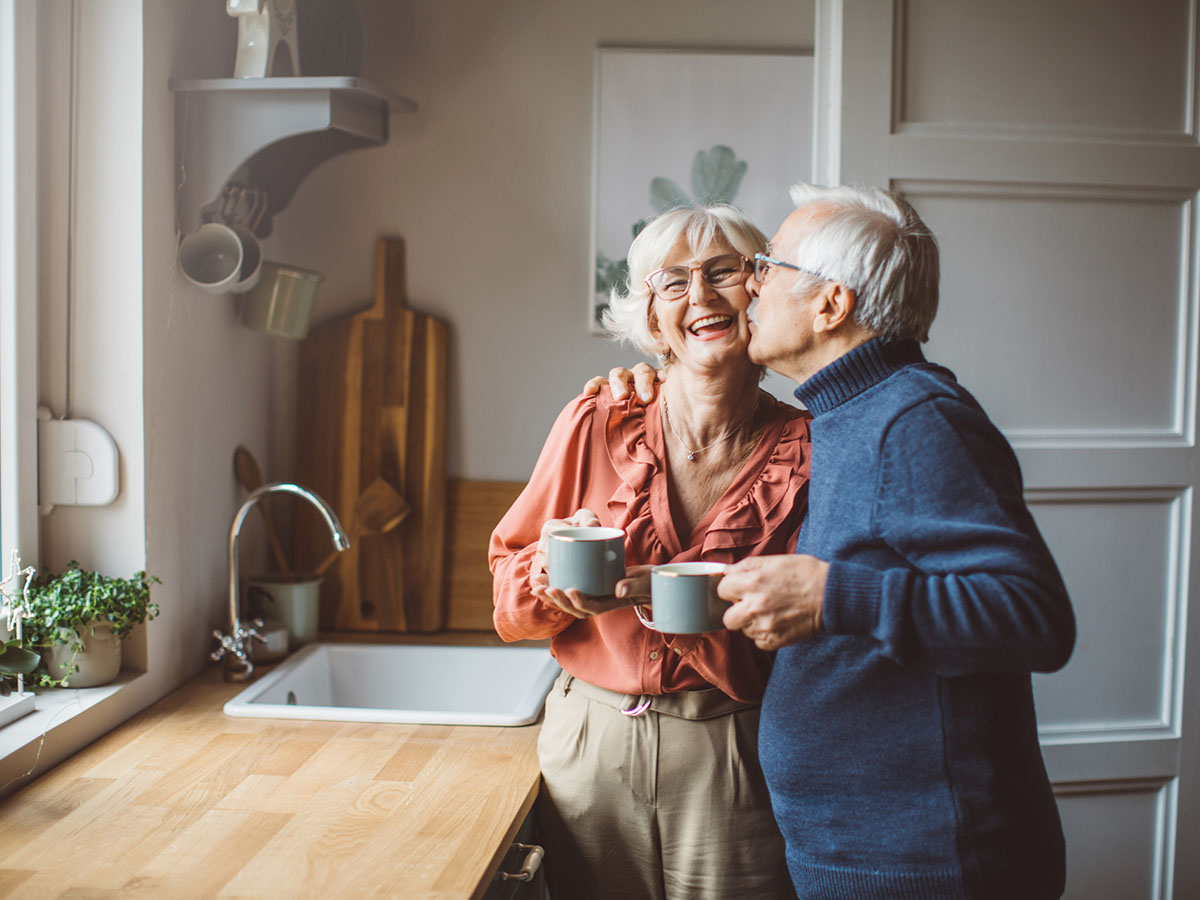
[673, 282]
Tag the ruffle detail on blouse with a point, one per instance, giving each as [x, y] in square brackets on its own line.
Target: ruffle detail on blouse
[635, 463]
[769, 500]
[762, 508]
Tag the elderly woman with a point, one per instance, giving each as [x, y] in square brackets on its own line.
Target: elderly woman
[651, 783]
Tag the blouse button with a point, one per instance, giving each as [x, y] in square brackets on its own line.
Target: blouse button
[654, 654]
[679, 650]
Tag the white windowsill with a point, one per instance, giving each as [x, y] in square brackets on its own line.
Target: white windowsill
[16, 705]
[53, 708]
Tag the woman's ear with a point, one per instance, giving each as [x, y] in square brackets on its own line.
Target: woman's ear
[835, 307]
[655, 331]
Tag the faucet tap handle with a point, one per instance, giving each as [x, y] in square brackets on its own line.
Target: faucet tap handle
[251, 631]
[228, 644]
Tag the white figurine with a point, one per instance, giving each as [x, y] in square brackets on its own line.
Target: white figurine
[265, 27]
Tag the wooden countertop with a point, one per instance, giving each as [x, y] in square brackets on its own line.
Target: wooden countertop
[185, 802]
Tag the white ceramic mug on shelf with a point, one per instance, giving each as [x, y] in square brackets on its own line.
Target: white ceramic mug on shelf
[252, 260]
[211, 257]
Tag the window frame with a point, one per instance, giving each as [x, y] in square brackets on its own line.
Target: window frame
[18, 282]
[32, 260]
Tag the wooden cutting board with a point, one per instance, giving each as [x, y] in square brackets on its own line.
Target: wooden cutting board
[372, 402]
[472, 510]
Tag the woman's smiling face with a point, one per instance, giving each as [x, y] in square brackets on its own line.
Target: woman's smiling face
[707, 326]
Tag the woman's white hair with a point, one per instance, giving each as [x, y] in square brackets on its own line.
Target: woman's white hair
[630, 314]
[873, 242]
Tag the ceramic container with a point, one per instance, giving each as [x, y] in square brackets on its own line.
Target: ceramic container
[281, 303]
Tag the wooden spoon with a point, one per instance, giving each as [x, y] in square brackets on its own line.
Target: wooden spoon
[250, 478]
[378, 510]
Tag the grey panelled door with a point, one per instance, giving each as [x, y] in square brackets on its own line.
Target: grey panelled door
[1052, 147]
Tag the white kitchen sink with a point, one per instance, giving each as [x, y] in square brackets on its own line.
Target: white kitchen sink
[412, 683]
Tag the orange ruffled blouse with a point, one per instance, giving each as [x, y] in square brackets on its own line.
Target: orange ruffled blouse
[608, 456]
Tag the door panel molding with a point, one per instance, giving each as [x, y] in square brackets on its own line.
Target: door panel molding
[1104, 761]
[1160, 42]
[1125, 838]
[1113, 545]
[1143, 315]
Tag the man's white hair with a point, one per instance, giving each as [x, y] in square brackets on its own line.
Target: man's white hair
[873, 242]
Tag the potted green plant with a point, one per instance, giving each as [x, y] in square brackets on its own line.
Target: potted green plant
[77, 619]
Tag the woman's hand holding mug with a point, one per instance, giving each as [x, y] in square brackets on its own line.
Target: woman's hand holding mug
[583, 518]
[584, 557]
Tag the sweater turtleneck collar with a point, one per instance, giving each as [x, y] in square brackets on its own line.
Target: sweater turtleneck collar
[852, 373]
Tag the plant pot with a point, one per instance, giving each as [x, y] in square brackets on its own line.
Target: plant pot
[99, 661]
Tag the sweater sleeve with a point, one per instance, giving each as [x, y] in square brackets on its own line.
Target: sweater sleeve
[555, 490]
[977, 589]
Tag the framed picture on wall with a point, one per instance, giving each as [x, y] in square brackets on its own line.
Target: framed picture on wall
[682, 126]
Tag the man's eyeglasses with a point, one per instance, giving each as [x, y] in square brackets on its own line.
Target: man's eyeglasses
[673, 282]
[763, 263]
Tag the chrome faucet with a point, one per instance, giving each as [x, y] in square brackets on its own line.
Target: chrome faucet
[235, 647]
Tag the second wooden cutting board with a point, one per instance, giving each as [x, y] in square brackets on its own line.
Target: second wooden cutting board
[372, 403]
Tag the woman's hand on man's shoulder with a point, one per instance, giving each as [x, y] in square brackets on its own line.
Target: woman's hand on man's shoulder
[643, 379]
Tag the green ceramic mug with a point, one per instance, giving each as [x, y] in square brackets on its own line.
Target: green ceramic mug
[683, 598]
[281, 302]
[591, 560]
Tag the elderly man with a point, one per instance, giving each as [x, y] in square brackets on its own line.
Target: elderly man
[898, 733]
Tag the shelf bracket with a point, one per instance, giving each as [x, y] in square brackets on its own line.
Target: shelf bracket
[267, 134]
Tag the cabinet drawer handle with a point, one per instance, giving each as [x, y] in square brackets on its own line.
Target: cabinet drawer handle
[533, 860]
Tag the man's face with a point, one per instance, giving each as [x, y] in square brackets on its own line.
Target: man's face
[781, 330]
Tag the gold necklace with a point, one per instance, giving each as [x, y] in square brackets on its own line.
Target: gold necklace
[692, 453]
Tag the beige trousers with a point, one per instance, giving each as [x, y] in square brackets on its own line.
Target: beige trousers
[669, 804]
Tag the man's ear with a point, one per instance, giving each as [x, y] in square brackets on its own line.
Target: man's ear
[835, 307]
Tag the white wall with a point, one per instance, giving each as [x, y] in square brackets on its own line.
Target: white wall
[104, 327]
[208, 379]
[490, 186]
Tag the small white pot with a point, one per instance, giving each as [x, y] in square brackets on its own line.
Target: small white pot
[99, 661]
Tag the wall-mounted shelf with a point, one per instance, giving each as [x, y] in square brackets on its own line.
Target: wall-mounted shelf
[268, 134]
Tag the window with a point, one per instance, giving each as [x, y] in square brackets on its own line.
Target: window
[37, 40]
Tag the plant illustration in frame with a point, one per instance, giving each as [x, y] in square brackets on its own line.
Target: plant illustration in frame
[677, 127]
[716, 175]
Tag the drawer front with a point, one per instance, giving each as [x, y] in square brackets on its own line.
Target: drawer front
[509, 889]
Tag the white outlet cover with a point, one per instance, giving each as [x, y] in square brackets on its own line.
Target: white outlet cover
[78, 463]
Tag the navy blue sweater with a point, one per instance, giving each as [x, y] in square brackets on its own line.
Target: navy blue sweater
[900, 745]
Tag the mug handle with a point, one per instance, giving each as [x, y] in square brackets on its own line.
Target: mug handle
[645, 619]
